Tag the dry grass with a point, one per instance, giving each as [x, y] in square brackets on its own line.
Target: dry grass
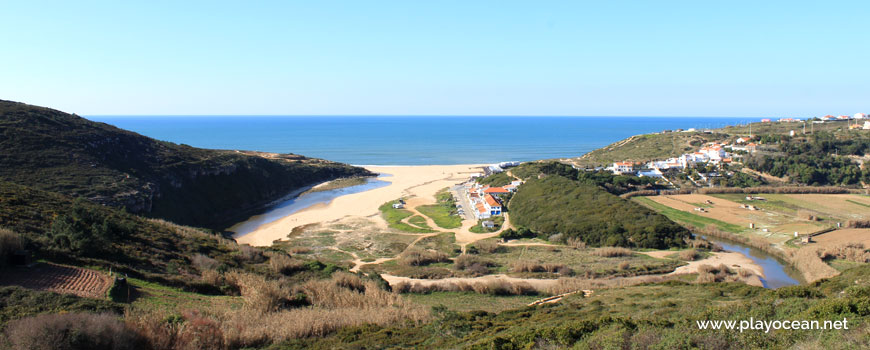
[299, 250]
[259, 293]
[250, 255]
[212, 277]
[72, 331]
[575, 243]
[494, 287]
[625, 265]
[612, 252]
[202, 262]
[807, 215]
[689, 255]
[418, 257]
[10, 242]
[474, 264]
[811, 265]
[343, 300]
[525, 266]
[573, 284]
[284, 264]
[488, 247]
[721, 273]
[848, 251]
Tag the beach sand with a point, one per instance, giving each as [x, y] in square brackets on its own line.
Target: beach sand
[405, 181]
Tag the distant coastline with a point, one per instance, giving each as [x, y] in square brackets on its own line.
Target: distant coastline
[393, 141]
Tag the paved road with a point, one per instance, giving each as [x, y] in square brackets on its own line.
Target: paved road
[467, 207]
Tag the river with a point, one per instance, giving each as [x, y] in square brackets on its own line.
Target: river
[777, 273]
[294, 204]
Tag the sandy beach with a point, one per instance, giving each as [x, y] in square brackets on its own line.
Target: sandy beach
[405, 181]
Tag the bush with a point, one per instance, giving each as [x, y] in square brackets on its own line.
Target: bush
[10, 242]
[611, 252]
[689, 255]
[283, 264]
[72, 331]
[203, 262]
[416, 257]
[576, 209]
[488, 247]
[259, 293]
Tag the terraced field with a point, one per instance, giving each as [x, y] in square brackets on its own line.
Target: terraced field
[60, 279]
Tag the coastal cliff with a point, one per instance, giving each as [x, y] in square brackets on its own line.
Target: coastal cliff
[54, 151]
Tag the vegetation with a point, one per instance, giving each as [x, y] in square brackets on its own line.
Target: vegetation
[444, 213]
[642, 148]
[496, 180]
[557, 204]
[10, 242]
[54, 151]
[649, 316]
[395, 216]
[821, 159]
[687, 218]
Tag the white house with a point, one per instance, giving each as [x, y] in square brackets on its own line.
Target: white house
[492, 205]
[622, 167]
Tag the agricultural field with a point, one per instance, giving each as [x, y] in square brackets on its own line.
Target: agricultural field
[60, 279]
[776, 218]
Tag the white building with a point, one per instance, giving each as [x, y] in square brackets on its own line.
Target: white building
[622, 167]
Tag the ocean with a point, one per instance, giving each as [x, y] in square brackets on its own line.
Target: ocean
[411, 140]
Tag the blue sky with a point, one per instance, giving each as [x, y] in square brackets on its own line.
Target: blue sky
[675, 58]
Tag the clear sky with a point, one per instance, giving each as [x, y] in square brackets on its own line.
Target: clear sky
[675, 58]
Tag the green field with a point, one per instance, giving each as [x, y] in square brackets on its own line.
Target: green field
[395, 216]
[443, 215]
[688, 218]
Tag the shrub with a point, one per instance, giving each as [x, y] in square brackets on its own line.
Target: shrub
[611, 252]
[417, 257]
[488, 247]
[250, 255]
[10, 242]
[624, 265]
[202, 262]
[283, 264]
[473, 264]
[575, 243]
[689, 255]
[798, 291]
[848, 251]
[259, 293]
[72, 331]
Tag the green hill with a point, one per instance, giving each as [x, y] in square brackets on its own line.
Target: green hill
[574, 204]
[54, 151]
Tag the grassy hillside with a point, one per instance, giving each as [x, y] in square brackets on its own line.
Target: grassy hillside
[647, 147]
[654, 316]
[573, 204]
[79, 232]
[55, 151]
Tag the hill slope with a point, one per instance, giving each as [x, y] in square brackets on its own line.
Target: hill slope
[54, 151]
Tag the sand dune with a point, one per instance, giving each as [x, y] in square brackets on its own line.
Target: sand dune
[405, 181]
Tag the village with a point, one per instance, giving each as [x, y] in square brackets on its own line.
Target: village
[717, 157]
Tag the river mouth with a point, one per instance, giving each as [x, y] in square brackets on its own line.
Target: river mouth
[777, 273]
[293, 204]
